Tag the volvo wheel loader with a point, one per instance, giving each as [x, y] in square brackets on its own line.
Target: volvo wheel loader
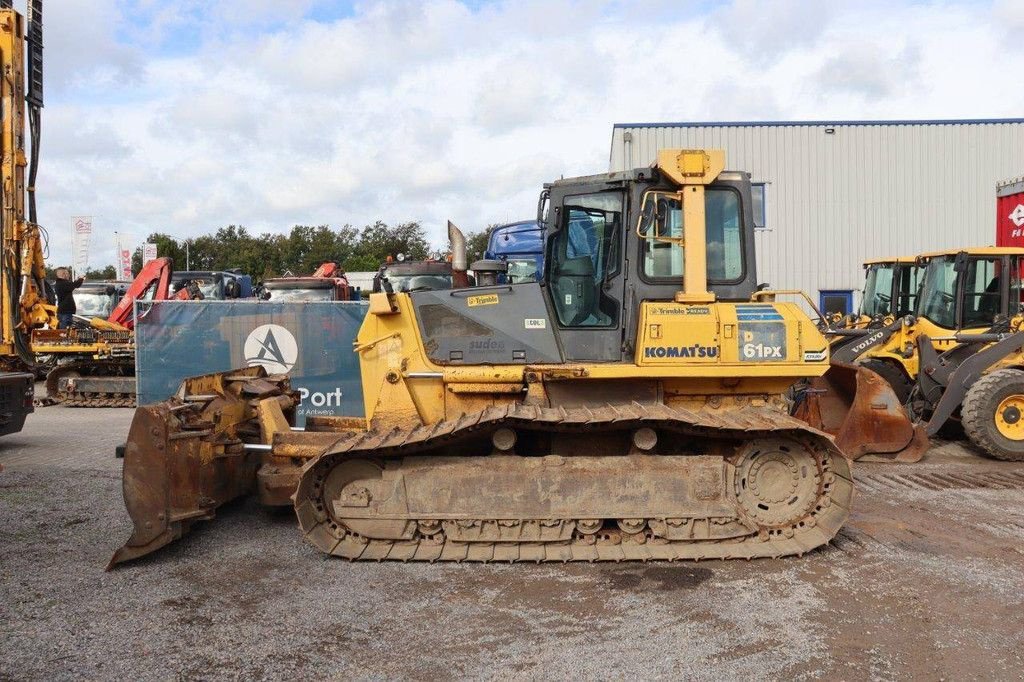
[601, 413]
[965, 327]
[888, 303]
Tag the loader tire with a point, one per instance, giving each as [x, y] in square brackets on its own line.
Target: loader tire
[893, 375]
[993, 414]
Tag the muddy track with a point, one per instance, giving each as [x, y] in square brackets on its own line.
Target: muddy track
[760, 522]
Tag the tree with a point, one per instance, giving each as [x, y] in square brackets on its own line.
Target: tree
[299, 252]
[109, 272]
[166, 245]
[378, 241]
[476, 244]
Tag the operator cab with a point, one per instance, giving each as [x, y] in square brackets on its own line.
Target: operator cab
[98, 299]
[406, 276]
[215, 286]
[600, 268]
[301, 289]
[971, 289]
[612, 241]
[890, 280]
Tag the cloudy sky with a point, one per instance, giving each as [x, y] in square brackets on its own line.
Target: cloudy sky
[185, 116]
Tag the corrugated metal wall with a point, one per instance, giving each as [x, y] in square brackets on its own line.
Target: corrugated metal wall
[862, 191]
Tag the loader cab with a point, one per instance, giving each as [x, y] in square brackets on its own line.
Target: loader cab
[969, 290]
[890, 288]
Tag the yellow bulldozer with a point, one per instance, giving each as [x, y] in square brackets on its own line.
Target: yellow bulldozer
[629, 405]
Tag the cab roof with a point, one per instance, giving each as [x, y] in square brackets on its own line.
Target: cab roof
[978, 251]
[897, 259]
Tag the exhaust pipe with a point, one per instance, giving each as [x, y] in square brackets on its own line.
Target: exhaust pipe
[457, 241]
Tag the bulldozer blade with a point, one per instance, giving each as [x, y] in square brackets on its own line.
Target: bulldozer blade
[862, 412]
[190, 454]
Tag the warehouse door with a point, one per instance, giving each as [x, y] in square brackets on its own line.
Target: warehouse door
[836, 301]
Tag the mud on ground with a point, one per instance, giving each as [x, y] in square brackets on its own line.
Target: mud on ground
[924, 580]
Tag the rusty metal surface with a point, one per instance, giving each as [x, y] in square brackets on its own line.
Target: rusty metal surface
[376, 495]
[862, 412]
[186, 456]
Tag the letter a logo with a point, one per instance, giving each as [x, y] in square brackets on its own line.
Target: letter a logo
[273, 347]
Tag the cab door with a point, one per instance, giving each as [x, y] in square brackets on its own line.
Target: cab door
[585, 270]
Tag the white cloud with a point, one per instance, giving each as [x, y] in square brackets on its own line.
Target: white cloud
[433, 110]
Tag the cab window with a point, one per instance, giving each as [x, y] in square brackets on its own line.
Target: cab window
[981, 292]
[878, 291]
[938, 293]
[663, 260]
[585, 254]
[908, 284]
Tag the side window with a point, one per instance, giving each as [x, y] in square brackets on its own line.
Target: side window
[664, 259]
[723, 225]
[759, 204]
[981, 292]
[907, 286]
[585, 255]
[1016, 293]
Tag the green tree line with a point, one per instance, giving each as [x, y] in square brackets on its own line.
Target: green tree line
[298, 252]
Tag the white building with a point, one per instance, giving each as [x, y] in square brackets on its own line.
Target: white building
[836, 193]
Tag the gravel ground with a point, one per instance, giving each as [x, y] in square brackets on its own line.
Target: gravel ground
[924, 581]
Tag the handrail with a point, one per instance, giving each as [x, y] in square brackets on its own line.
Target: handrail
[765, 293]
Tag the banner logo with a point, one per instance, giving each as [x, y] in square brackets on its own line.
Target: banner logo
[81, 231]
[273, 347]
[1017, 215]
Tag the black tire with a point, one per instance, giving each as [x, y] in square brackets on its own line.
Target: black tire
[893, 375]
[978, 413]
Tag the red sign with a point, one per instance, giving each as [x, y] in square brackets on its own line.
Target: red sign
[125, 264]
[1010, 219]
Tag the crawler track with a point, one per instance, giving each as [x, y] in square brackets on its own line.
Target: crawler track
[90, 368]
[746, 483]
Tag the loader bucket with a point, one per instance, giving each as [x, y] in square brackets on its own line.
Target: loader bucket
[860, 409]
[190, 454]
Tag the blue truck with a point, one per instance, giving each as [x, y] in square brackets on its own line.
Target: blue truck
[521, 245]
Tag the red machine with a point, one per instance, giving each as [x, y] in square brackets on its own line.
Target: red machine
[1010, 213]
[327, 283]
[153, 283]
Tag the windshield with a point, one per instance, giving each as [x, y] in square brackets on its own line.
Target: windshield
[93, 304]
[877, 291]
[419, 282]
[981, 293]
[522, 270]
[208, 286]
[319, 294]
[938, 293]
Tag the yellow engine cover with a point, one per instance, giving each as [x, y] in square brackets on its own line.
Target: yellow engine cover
[729, 335]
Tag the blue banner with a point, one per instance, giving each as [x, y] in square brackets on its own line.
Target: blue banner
[309, 341]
